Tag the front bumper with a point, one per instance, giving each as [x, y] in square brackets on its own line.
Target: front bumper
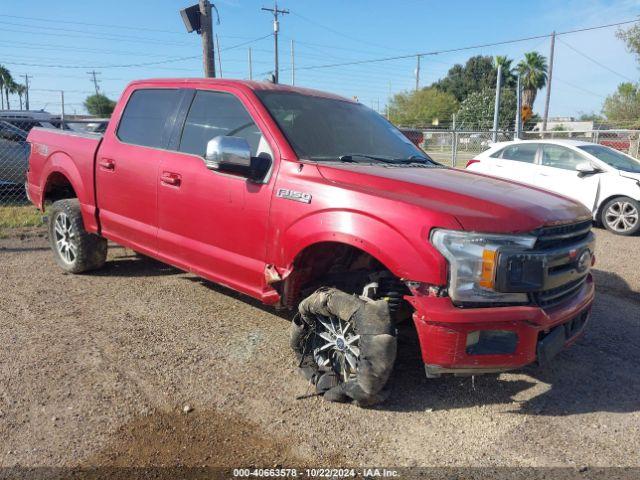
[443, 331]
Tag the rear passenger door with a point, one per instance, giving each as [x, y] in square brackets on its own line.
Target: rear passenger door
[127, 167]
[518, 162]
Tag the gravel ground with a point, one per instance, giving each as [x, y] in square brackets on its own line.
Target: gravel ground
[97, 369]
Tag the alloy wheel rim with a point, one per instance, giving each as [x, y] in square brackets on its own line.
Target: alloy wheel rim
[336, 347]
[621, 216]
[65, 238]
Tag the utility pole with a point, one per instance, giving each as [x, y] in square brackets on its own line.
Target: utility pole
[516, 136]
[276, 27]
[548, 96]
[62, 110]
[26, 92]
[496, 108]
[250, 66]
[206, 31]
[293, 66]
[219, 57]
[417, 72]
[93, 74]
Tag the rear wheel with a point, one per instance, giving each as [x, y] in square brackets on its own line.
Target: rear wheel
[621, 216]
[74, 249]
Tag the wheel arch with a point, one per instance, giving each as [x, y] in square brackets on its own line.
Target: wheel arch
[62, 179]
[368, 234]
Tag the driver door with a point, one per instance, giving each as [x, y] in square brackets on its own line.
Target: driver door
[558, 173]
[210, 222]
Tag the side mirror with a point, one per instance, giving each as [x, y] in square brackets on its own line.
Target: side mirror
[586, 168]
[228, 154]
[233, 155]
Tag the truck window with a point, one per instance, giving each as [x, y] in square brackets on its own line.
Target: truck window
[213, 114]
[147, 114]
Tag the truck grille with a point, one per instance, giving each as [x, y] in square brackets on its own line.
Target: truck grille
[561, 238]
[558, 236]
[555, 296]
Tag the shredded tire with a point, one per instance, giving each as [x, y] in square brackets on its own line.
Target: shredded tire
[372, 321]
[90, 250]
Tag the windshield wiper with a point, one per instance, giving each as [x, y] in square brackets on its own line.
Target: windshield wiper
[415, 159]
[349, 158]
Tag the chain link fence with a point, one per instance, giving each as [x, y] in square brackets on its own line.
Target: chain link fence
[449, 147]
[456, 148]
[15, 208]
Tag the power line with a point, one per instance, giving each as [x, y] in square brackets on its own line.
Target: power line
[338, 32]
[577, 87]
[131, 65]
[129, 38]
[125, 27]
[470, 47]
[597, 62]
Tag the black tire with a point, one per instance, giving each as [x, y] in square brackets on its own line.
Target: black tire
[74, 249]
[329, 324]
[621, 216]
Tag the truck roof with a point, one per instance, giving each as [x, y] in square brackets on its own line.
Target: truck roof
[249, 84]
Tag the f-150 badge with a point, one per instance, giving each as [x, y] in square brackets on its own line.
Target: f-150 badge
[303, 197]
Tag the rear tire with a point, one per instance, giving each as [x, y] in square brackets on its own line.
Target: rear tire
[74, 249]
[621, 216]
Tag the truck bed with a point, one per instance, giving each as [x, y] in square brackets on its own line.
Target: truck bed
[70, 153]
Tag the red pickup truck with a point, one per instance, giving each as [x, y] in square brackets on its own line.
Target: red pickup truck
[315, 203]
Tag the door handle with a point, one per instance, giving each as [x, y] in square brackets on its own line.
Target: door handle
[169, 178]
[107, 164]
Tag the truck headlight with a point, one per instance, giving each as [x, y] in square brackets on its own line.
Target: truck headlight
[473, 260]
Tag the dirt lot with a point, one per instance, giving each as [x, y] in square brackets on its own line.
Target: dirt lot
[96, 370]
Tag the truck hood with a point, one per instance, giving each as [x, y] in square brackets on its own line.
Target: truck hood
[478, 202]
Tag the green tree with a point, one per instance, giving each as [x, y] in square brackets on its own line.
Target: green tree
[99, 105]
[20, 90]
[6, 84]
[476, 75]
[631, 37]
[623, 106]
[591, 117]
[421, 107]
[533, 76]
[476, 112]
[508, 77]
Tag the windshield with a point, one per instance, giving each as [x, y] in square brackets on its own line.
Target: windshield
[326, 129]
[613, 158]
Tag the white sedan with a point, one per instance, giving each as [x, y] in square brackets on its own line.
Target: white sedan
[605, 180]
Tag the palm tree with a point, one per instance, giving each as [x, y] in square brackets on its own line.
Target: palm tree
[20, 90]
[4, 73]
[6, 83]
[508, 77]
[533, 76]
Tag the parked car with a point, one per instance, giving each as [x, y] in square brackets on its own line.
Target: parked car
[416, 136]
[604, 180]
[303, 199]
[14, 155]
[27, 119]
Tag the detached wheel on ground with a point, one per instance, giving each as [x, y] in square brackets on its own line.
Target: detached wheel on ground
[621, 215]
[345, 345]
[74, 249]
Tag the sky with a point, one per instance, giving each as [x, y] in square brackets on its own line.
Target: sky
[57, 43]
